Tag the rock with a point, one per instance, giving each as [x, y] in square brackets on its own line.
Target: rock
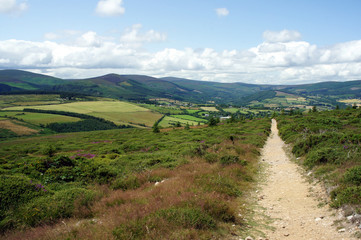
[349, 217]
[342, 230]
[318, 219]
[249, 238]
[286, 234]
[155, 184]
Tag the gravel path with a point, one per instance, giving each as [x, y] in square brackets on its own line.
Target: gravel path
[289, 199]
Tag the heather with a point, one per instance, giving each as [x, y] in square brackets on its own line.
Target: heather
[174, 184]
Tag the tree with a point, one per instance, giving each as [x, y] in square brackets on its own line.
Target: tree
[156, 128]
[314, 109]
[178, 124]
[212, 122]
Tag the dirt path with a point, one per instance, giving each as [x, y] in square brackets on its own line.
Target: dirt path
[288, 199]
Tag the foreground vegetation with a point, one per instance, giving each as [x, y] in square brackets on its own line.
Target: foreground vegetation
[129, 183]
[329, 144]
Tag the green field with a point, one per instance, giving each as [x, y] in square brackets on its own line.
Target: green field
[38, 118]
[210, 109]
[26, 100]
[168, 121]
[190, 118]
[115, 111]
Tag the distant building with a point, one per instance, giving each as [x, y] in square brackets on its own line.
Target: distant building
[224, 118]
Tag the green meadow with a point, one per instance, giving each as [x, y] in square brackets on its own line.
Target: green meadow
[115, 111]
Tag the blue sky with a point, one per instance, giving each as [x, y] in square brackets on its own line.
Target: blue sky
[250, 41]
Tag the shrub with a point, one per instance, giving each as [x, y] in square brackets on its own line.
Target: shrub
[16, 190]
[62, 204]
[349, 195]
[211, 157]
[322, 156]
[219, 210]
[353, 175]
[130, 182]
[132, 230]
[187, 217]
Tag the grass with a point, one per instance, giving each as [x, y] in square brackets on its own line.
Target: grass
[131, 183]
[115, 111]
[16, 127]
[38, 118]
[188, 117]
[168, 121]
[209, 109]
[26, 99]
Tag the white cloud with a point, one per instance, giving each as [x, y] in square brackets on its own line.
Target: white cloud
[89, 54]
[12, 6]
[281, 36]
[134, 36]
[110, 8]
[222, 12]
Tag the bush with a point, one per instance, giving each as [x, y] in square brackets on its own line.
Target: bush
[132, 230]
[62, 204]
[322, 156]
[187, 217]
[353, 175]
[17, 190]
[220, 211]
[130, 182]
[211, 157]
[349, 195]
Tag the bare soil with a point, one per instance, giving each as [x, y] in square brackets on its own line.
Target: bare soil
[295, 207]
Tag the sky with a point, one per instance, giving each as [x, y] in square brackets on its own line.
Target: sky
[250, 41]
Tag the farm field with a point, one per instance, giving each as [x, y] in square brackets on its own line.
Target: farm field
[16, 127]
[209, 109]
[38, 118]
[168, 121]
[116, 111]
[28, 100]
[190, 118]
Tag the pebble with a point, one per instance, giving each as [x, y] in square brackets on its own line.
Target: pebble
[286, 234]
[318, 219]
[249, 238]
[342, 230]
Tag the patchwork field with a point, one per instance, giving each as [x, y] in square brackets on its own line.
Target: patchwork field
[39, 118]
[168, 121]
[189, 118]
[16, 127]
[210, 109]
[115, 111]
[27, 100]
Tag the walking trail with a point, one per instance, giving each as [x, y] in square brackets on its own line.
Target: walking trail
[287, 198]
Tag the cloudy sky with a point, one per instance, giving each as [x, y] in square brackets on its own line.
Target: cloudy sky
[252, 41]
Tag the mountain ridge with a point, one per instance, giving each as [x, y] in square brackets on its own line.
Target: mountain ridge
[142, 87]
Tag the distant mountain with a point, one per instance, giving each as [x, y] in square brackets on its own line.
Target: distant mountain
[141, 87]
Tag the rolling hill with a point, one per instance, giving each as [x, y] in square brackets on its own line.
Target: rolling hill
[141, 87]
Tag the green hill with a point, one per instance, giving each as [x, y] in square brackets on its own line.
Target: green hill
[141, 87]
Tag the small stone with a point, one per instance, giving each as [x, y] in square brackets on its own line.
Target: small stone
[342, 230]
[283, 226]
[318, 219]
[286, 234]
[249, 238]
[350, 217]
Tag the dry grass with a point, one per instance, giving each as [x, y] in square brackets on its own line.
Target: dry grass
[16, 128]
